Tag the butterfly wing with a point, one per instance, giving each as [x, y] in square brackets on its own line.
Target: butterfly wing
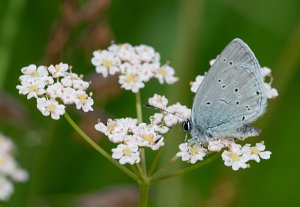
[231, 95]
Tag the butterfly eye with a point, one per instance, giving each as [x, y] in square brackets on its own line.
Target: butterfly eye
[186, 125]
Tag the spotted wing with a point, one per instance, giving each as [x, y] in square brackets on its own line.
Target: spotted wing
[232, 94]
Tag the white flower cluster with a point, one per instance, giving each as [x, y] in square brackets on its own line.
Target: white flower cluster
[54, 87]
[271, 92]
[172, 115]
[135, 65]
[131, 135]
[9, 168]
[236, 156]
[266, 72]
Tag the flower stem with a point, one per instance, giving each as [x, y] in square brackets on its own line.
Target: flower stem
[100, 149]
[144, 193]
[138, 107]
[164, 168]
[140, 118]
[186, 170]
[155, 161]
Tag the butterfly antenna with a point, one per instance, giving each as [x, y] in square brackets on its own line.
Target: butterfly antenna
[164, 110]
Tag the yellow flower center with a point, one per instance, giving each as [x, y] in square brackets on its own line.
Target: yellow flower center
[162, 71]
[127, 151]
[111, 126]
[106, 63]
[130, 78]
[35, 74]
[234, 156]
[194, 150]
[57, 68]
[33, 87]
[51, 107]
[149, 138]
[82, 97]
[254, 150]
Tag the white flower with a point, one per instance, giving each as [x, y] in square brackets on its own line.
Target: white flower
[131, 81]
[215, 146]
[171, 120]
[165, 74]
[127, 53]
[181, 111]
[236, 157]
[135, 65]
[6, 188]
[195, 85]
[36, 73]
[74, 81]
[55, 90]
[19, 175]
[126, 153]
[146, 53]
[50, 107]
[106, 63]
[191, 153]
[212, 61]
[147, 137]
[9, 168]
[58, 70]
[146, 71]
[114, 130]
[68, 96]
[271, 92]
[127, 123]
[160, 129]
[158, 101]
[6, 145]
[265, 71]
[156, 118]
[219, 144]
[83, 101]
[32, 88]
[257, 152]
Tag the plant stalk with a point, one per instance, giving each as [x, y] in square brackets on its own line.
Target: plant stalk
[100, 149]
[144, 194]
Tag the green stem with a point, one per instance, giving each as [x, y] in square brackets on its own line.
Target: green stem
[140, 118]
[138, 166]
[100, 149]
[139, 107]
[155, 161]
[186, 170]
[144, 194]
[164, 168]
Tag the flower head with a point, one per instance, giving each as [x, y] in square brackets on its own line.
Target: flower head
[236, 157]
[52, 97]
[135, 65]
[9, 168]
[191, 153]
[257, 152]
[126, 153]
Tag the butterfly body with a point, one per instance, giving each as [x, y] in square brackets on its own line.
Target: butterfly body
[230, 97]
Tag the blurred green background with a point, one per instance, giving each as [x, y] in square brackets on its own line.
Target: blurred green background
[65, 171]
